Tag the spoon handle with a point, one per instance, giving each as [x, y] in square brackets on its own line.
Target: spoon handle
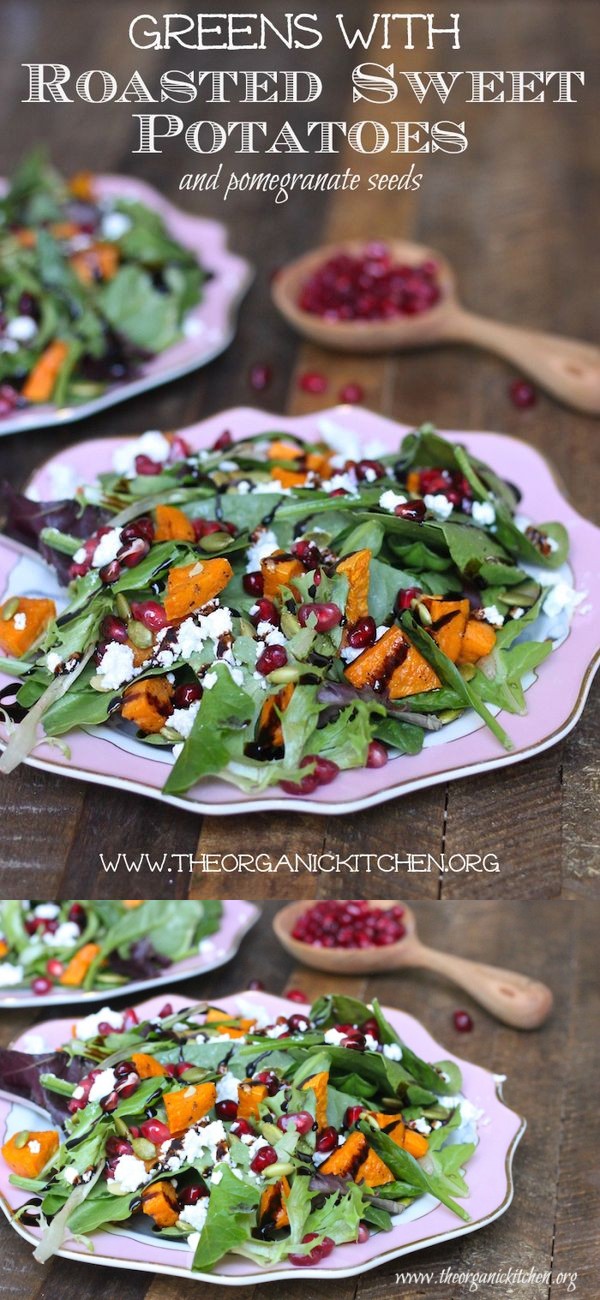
[567, 368]
[517, 1000]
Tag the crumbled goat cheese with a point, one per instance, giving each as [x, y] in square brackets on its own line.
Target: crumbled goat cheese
[70, 1174]
[88, 1028]
[103, 1084]
[344, 481]
[483, 513]
[20, 621]
[22, 328]
[209, 680]
[334, 1037]
[130, 1173]
[517, 612]
[182, 720]
[278, 1031]
[227, 1087]
[393, 1051]
[34, 1147]
[152, 444]
[228, 466]
[46, 911]
[265, 545]
[196, 1214]
[193, 1241]
[562, 597]
[10, 974]
[438, 505]
[421, 1125]
[551, 543]
[204, 1139]
[349, 654]
[116, 666]
[371, 1043]
[390, 499]
[107, 549]
[261, 488]
[216, 1175]
[53, 661]
[80, 556]
[492, 615]
[66, 936]
[114, 225]
[275, 637]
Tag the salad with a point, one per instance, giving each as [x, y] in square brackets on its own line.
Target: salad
[275, 1139]
[268, 611]
[98, 945]
[90, 288]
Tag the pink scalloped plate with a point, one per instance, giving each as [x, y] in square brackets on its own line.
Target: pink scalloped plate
[489, 1174]
[209, 327]
[237, 918]
[554, 701]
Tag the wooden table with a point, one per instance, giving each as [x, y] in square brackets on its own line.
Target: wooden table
[516, 216]
[552, 1224]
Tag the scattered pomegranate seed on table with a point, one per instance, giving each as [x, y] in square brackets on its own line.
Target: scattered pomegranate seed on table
[260, 376]
[369, 286]
[296, 995]
[312, 381]
[462, 1022]
[522, 394]
[350, 924]
[350, 394]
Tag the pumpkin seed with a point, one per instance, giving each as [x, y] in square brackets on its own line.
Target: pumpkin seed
[214, 542]
[289, 624]
[21, 1139]
[140, 635]
[97, 683]
[10, 608]
[169, 733]
[123, 607]
[449, 715]
[423, 614]
[121, 1127]
[197, 569]
[144, 1149]
[467, 672]
[280, 676]
[278, 1170]
[193, 1075]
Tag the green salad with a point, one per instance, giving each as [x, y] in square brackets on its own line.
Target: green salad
[89, 945]
[91, 287]
[274, 1137]
[269, 611]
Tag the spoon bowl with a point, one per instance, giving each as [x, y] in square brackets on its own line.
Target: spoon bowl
[515, 999]
[566, 368]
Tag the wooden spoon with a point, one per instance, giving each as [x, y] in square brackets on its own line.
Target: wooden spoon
[515, 999]
[566, 368]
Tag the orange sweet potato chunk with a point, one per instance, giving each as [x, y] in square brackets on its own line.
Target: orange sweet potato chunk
[413, 676]
[100, 262]
[479, 639]
[452, 615]
[37, 613]
[148, 703]
[270, 731]
[348, 1158]
[318, 1084]
[185, 1106]
[272, 1210]
[190, 586]
[147, 1066]
[159, 1202]
[77, 968]
[289, 478]
[250, 1096]
[172, 525]
[278, 570]
[356, 569]
[28, 1153]
[394, 665]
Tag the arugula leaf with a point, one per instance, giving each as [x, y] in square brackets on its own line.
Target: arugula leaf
[223, 710]
[229, 1221]
[133, 307]
[406, 1169]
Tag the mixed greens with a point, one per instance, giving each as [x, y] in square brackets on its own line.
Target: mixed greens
[275, 611]
[98, 945]
[271, 1137]
[90, 288]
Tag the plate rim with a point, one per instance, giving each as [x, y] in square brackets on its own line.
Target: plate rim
[27, 422]
[280, 1274]
[343, 804]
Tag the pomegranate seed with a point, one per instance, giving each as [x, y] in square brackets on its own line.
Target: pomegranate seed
[54, 968]
[155, 1131]
[363, 633]
[307, 783]
[339, 492]
[309, 554]
[167, 1010]
[350, 394]
[298, 1024]
[377, 755]
[260, 376]
[371, 1027]
[256, 985]
[104, 1029]
[263, 1158]
[130, 1018]
[150, 613]
[354, 1043]
[203, 527]
[266, 612]
[126, 1090]
[186, 694]
[327, 1139]
[191, 1195]
[272, 657]
[296, 995]
[110, 1103]
[117, 1146]
[50, 927]
[224, 440]
[363, 1234]
[145, 466]
[33, 924]
[123, 1069]
[522, 394]
[135, 551]
[327, 615]
[462, 1022]
[301, 1120]
[312, 381]
[40, 985]
[253, 583]
[77, 914]
[413, 510]
[113, 629]
[270, 1081]
[110, 572]
[367, 471]
[179, 449]
[241, 1128]
[405, 597]
[369, 285]
[350, 924]
[325, 770]
[352, 1115]
[315, 1255]
[142, 527]
[226, 1110]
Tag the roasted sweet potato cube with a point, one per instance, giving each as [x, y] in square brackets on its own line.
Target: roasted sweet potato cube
[272, 1211]
[185, 1106]
[278, 570]
[172, 525]
[27, 622]
[318, 1084]
[159, 1202]
[148, 703]
[346, 1161]
[449, 623]
[27, 1153]
[191, 586]
[250, 1096]
[356, 569]
[479, 640]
